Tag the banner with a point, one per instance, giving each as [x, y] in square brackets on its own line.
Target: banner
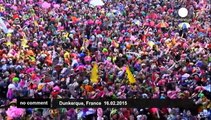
[130, 76]
[94, 73]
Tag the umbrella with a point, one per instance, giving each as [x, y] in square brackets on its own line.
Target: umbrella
[30, 70]
[134, 53]
[96, 3]
[146, 24]
[56, 88]
[40, 87]
[99, 112]
[90, 112]
[14, 7]
[133, 38]
[184, 25]
[171, 94]
[56, 5]
[153, 16]
[199, 88]
[109, 14]
[10, 31]
[109, 59]
[186, 75]
[129, 57]
[162, 25]
[152, 23]
[87, 58]
[207, 88]
[11, 86]
[15, 79]
[201, 95]
[84, 113]
[137, 22]
[153, 110]
[81, 55]
[80, 115]
[98, 22]
[199, 64]
[14, 112]
[151, 44]
[105, 50]
[46, 5]
[80, 67]
[161, 82]
[113, 112]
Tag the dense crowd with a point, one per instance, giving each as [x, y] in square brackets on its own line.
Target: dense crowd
[53, 46]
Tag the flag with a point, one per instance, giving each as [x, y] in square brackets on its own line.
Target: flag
[2, 9]
[74, 19]
[94, 73]
[151, 44]
[24, 43]
[130, 76]
[86, 44]
[88, 52]
[4, 27]
[35, 23]
[8, 43]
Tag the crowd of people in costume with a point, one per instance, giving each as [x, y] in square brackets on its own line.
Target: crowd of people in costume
[118, 49]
